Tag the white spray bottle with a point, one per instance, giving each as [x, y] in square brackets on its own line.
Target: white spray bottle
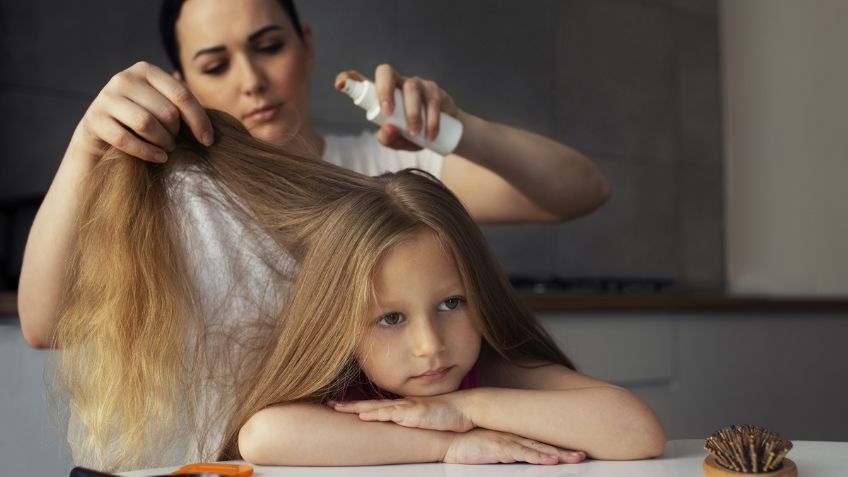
[364, 95]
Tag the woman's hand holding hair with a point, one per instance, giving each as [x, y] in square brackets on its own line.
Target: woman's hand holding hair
[482, 446]
[139, 112]
[419, 95]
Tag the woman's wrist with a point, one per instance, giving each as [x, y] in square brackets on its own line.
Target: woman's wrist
[80, 151]
[475, 131]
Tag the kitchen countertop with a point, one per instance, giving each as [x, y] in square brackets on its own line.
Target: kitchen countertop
[553, 302]
[8, 303]
[681, 458]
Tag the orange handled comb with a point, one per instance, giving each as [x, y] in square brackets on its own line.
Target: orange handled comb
[229, 470]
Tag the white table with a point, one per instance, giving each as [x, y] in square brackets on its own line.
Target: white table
[681, 458]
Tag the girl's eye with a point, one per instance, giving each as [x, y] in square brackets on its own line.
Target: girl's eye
[391, 319]
[451, 303]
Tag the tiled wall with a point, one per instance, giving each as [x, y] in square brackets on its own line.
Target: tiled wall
[632, 83]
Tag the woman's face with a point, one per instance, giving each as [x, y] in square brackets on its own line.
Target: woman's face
[245, 58]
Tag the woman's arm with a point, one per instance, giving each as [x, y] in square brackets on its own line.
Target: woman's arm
[500, 173]
[48, 248]
[139, 102]
[504, 174]
[311, 434]
[550, 404]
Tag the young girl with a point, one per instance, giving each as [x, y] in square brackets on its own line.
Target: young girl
[397, 285]
[370, 287]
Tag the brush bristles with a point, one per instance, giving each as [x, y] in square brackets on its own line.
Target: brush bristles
[747, 448]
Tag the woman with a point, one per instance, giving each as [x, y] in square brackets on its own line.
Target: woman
[253, 59]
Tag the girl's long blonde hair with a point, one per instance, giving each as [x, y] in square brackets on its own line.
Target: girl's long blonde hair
[132, 338]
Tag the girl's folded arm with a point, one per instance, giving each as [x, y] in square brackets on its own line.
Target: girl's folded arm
[304, 434]
[563, 408]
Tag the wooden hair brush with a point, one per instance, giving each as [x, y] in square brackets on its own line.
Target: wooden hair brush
[736, 450]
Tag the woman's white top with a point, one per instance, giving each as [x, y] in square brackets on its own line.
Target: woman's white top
[365, 155]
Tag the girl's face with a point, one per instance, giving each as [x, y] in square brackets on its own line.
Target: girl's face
[421, 340]
[246, 58]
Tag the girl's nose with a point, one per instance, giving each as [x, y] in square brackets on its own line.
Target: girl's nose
[426, 338]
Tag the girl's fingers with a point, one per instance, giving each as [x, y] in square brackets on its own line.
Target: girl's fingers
[189, 108]
[386, 79]
[117, 135]
[544, 453]
[142, 123]
[523, 453]
[571, 457]
[344, 409]
[385, 414]
[368, 405]
[378, 415]
[539, 446]
[564, 456]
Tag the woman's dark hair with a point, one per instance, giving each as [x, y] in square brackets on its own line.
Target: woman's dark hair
[170, 12]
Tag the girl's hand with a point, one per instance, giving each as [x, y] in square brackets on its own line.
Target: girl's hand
[138, 112]
[482, 446]
[441, 413]
[419, 95]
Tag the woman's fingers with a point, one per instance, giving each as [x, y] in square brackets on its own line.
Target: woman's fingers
[419, 96]
[346, 75]
[423, 102]
[142, 123]
[389, 136]
[114, 133]
[188, 107]
[159, 106]
[139, 112]
[434, 98]
[386, 79]
[413, 94]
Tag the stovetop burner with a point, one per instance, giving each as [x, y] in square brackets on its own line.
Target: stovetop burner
[592, 285]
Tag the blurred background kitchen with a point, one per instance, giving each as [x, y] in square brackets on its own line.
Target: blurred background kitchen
[714, 283]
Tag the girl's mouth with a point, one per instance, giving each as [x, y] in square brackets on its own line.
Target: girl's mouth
[434, 374]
